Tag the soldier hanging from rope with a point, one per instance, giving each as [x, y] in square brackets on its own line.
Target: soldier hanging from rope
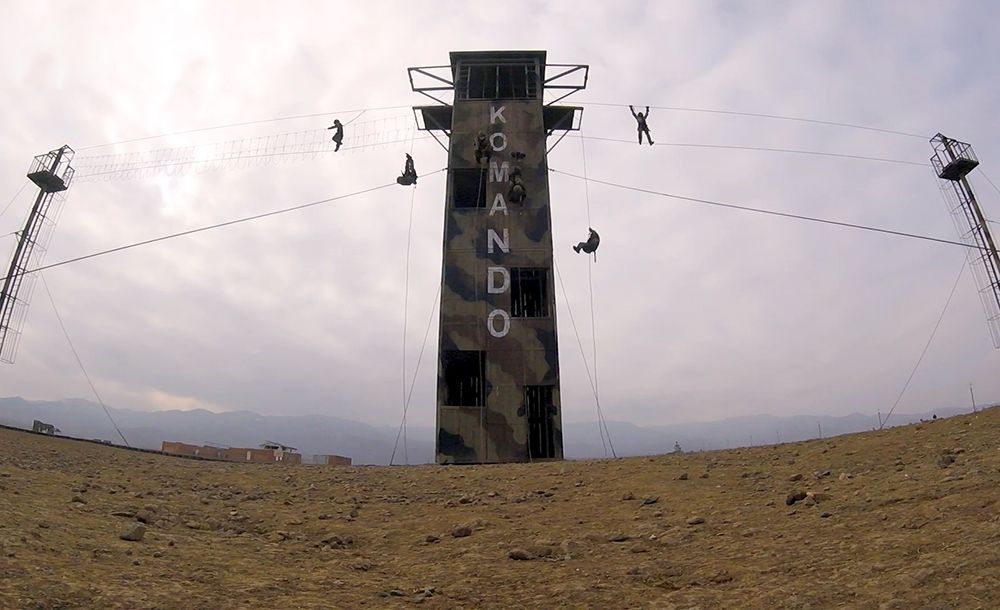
[640, 119]
[589, 246]
[483, 152]
[517, 192]
[338, 136]
[409, 173]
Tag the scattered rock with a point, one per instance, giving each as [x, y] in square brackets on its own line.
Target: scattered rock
[795, 477]
[397, 593]
[844, 476]
[569, 548]
[826, 515]
[192, 525]
[143, 516]
[133, 533]
[683, 477]
[627, 496]
[945, 460]
[465, 500]
[79, 499]
[822, 474]
[325, 516]
[703, 475]
[431, 538]
[520, 555]
[650, 500]
[617, 537]
[796, 496]
[128, 514]
[461, 531]
[695, 520]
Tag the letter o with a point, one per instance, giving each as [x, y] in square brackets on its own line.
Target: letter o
[503, 141]
[492, 327]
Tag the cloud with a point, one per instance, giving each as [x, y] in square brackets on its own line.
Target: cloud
[700, 312]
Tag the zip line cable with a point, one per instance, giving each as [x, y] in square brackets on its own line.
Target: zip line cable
[214, 226]
[76, 355]
[734, 206]
[13, 199]
[761, 115]
[245, 123]
[413, 383]
[937, 324]
[602, 425]
[766, 149]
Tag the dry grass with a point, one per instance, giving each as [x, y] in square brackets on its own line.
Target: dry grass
[904, 530]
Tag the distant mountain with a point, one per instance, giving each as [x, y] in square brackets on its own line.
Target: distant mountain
[365, 444]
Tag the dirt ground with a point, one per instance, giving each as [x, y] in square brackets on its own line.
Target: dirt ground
[902, 518]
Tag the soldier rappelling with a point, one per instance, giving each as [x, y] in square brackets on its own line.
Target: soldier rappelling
[409, 173]
[338, 136]
[589, 246]
[641, 124]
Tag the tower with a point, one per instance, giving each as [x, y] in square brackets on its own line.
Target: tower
[498, 394]
[52, 174]
[952, 162]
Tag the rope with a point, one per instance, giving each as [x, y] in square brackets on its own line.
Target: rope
[734, 206]
[767, 149]
[579, 343]
[602, 425]
[213, 226]
[406, 295]
[80, 362]
[761, 115]
[413, 383]
[242, 124]
[961, 271]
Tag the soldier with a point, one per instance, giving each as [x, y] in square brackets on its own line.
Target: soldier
[338, 136]
[589, 246]
[409, 173]
[517, 192]
[483, 151]
[640, 119]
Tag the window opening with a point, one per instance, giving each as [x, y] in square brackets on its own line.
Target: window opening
[541, 430]
[464, 378]
[529, 292]
[468, 188]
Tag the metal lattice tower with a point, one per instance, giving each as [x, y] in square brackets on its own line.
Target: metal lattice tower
[498, 396]
[952, 162]
[52, 174]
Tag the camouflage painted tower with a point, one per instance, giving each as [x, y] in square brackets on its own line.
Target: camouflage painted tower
[498, 358]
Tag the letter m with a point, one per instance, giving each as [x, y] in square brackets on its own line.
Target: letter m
[499, 172]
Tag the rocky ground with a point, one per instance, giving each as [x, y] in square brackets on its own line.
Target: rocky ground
[903, 518]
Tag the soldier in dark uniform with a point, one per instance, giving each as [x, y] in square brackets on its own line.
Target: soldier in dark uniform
[640, 119]
[338, 136]
[409, 173]
[483, 152]
[589, 246]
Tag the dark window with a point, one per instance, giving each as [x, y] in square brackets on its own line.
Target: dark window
[541, 431]
[464, 378]
[497, 81]
[529, 292]
[468, 188]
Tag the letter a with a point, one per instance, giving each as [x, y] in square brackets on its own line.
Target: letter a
[493, 238]
[499, 205]
[491, 286]
[497, 114]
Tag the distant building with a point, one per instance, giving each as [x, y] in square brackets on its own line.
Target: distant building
[267, 453]
[326, 460]
[44, 428]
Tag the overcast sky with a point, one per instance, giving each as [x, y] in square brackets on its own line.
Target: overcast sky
[701, 313]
